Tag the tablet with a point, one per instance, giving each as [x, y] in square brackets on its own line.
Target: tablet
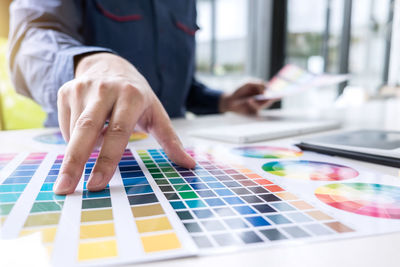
[377, 146]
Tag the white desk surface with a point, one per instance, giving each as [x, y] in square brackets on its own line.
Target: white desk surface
[371, 251]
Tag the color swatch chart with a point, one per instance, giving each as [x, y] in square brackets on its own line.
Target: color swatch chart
[153, 209]
[45, 213]
[126, 222]
[14, 185]
[223, 205]
[5, 158]
[97, 237]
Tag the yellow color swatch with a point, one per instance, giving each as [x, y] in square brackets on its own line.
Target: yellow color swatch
[153, 225]
[97, 250]
[48, 234]
[97, 230]
[96, 215]
[148, 210]
[162, 242]
[42, 219]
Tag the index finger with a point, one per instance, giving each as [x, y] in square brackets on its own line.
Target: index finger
[122, 122]
[80, 146]
[164, 133]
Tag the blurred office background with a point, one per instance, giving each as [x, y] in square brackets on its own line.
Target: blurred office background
[240, 40]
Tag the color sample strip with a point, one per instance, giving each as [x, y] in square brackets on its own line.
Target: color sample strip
[5, 159]
[46, 210]
[375, 200]
[97, 238]
[154, 228]
[223, 204]
[310, 170]
[14, 185]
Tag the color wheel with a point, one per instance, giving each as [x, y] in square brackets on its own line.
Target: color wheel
[55, 138]
[375, 200]
[310, 170]
[267, 152]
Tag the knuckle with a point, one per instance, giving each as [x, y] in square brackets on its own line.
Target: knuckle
[103, 88]
[62, 100]
[118, 129]
[61, 93]
[106, 161]
[71, 160]
[131, 91]
[64, 90]
[86, 122]
[79, 87]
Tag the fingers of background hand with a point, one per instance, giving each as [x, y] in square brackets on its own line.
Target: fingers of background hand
[267, 104]
[263, 103]
[259, 87]
[64, 112]
[122, 122]
[163, 131]
[250, 89]
[87, 129]
[251, 109]
[254, 104]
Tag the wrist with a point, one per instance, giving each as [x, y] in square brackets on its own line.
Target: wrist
[98, 62]
[85, 62]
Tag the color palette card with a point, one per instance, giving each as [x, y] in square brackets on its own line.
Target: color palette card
[235, 198]
[129, 221]
[225, 205]
[292, 80]
[364, 200]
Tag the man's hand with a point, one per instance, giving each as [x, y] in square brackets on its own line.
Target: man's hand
[243, 101]
[108, 87]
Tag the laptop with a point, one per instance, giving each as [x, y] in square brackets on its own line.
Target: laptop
[262, 131]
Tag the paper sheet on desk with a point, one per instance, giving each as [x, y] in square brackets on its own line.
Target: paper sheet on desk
[292, 80]
[34, 253]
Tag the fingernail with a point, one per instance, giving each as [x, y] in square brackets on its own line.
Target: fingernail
[95, 180]
[63, 185]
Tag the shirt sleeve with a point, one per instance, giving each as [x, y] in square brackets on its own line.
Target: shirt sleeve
[203, 100]
[44, 40]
